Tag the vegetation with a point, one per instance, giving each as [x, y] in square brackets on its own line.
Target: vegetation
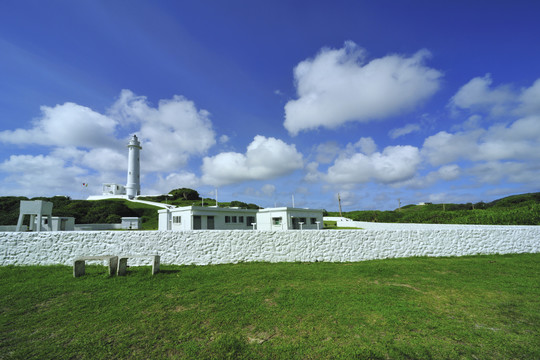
[188, 197]
[84, 212]
[513, 210]
[480, 307]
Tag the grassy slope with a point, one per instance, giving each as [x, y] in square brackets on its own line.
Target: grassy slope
[85, 212]
[513, 210]
[469, 307]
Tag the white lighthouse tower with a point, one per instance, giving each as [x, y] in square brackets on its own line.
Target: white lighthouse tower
[133, 186]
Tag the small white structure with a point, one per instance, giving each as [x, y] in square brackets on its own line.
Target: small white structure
[131, 223]
[60, 223]
[133, 186]
[286, 218]
[206, 218]
[114, 189]
[35, 208]
[209, 218]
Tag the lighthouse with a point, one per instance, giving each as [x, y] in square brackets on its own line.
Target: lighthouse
[133, 186]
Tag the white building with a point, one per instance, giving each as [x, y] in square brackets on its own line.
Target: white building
[206, 218]
[286, 218]
[60, 223]
[114, 189]
[209, 218]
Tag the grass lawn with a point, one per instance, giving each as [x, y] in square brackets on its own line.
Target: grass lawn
[475, 307]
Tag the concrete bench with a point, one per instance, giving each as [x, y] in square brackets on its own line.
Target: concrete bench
[80, 262]
[122, 263]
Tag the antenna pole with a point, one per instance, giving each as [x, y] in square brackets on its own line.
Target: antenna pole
[339, 201]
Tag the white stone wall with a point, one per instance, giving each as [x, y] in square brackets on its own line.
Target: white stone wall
[231, 246]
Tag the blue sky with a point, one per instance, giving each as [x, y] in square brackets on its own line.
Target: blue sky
[380, 101]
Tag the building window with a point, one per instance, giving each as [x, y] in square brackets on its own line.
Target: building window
[227, 219]
[177, 219]
[276, 221]
[250, 220]
[303, 220]
[234, 219]
[241, 219]
[313, 221]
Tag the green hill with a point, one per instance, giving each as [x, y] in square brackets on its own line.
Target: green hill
[84, 211]
[512, 210]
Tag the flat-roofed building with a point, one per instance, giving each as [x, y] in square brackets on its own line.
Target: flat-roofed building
[216, 218]
[206, 218]
[287, 218]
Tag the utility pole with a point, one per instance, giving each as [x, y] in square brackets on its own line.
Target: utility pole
[339, 201]
[399, 204]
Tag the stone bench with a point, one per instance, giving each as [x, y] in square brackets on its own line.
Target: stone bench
[122, 263]
[80, 262]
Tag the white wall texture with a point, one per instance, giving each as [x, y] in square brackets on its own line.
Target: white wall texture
[231, 246]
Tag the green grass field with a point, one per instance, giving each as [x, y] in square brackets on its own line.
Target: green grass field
[479, 307]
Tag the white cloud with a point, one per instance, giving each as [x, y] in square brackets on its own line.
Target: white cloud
[327, 152]
[312, 172]
[265, 158]
[170, 133]
[448, 172]
[445, 173]
[477, 95]
[366, 145]
[493, 172]
[223, 139]
[443, 147]
[66, 125]
[175, 180]
[339, 86]
[530, 100]
[394, 164]
[29, 175]
[268, 190]
[518, 141]
[405, 130]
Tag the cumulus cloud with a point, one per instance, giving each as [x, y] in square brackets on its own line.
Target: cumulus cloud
[520, 140]
[394, 164]
[170, 132]
[339, 85]
[327, 152]
[65, 125]
[530, 100]
[444, 173]
[268, 190]
[477, 94]
[46, 174]
[265, 158]
[366, 145]
[175, 180]
[405, 130]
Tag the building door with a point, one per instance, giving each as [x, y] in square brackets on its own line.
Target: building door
[197, 222]
[295, 222]
[210, 223]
